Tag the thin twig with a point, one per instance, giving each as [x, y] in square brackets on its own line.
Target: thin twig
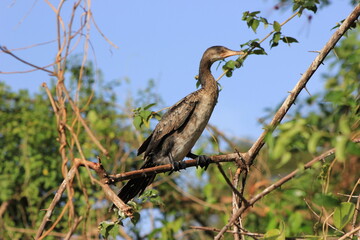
[101, 33]
[73, 228]
[350, 233]
[56, 199]
[229, 231]
[5, 50]
[56, 221]
[84, 124]
[231, 185]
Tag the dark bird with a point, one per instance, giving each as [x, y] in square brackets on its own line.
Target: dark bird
[181, 126]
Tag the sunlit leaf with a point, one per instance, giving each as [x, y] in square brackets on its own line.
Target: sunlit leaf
[343, 214]
[137, 122]
[340, 146]
[276, 26]
[255, 25]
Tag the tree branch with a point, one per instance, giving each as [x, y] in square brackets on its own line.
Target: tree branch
[5, 50]
[56, 199]
[232, 157]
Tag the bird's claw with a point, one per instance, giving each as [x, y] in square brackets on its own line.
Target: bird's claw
[177, 166]
[203, 161]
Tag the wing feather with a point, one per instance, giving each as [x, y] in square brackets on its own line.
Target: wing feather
[171, 121]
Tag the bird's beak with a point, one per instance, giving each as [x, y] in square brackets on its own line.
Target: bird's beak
[232, 53]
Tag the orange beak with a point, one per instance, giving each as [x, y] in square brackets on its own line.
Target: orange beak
[232, 53]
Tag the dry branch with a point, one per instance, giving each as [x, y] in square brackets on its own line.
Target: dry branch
[56, 199]
[232, 157]
[5, 50]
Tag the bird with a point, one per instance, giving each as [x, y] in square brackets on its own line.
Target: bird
[180, 127]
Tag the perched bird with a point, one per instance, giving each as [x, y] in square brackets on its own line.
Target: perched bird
[181, 126]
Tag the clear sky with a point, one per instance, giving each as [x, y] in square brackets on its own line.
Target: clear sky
[164, 41]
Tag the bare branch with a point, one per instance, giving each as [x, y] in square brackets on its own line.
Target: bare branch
[231, 185]
[350, 233]
[168, 167]
[69, 178]
[73, 228]
[101, 33]
[5, 50]
[233, 232]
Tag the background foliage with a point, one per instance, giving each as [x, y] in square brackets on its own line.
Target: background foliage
[310, 205]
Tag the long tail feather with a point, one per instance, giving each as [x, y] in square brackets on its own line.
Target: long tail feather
[136, 186]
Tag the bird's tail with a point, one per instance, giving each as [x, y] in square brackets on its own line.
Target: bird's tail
[136, 186]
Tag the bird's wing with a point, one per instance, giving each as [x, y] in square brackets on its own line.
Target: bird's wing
[172, 120]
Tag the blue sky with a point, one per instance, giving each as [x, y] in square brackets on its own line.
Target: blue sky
[164, 41]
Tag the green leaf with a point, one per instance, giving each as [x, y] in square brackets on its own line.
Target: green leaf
[113, 230]
[295, 6]
[255, 44]
[249, 21]
[334, 96]
[259, 52]
[276, 37]
[238, 64]
[135, 218]
[255, 25]
[276, 26]
[157, 116]
[108, 228]
[285, 158]
[295, 221]
[311, 6]
[289, 40]
[229, 65]
[198, 83]
[313, 141]
[245, 15]
[264, 21]
[340, 146]
[137, 122]
[229, 73]
[274, 234]
[344, 125]
[343, 214]
[326, 200]
[145, 114]
[92, 116]
[253, 14]
[149, 106]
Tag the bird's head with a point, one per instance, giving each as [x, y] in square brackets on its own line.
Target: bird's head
[216, 53]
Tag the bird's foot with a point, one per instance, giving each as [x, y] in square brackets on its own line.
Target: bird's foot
[177, 166]
[203, 161]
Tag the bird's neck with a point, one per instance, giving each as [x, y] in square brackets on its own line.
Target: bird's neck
[206, 79]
